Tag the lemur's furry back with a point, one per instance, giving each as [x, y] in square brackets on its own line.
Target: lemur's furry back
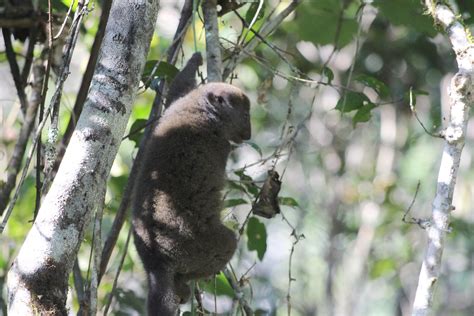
[176, 220]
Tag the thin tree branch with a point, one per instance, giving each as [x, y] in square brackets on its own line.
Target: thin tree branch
[14, 164]
[238, 291]
[15, 70]
[81, 10]
[83, 89]
[117, 274]
[78, 283]
[265, 31]
[29, 55]
[39, 160]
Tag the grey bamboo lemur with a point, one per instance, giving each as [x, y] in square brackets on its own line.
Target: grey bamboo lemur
[177, 228]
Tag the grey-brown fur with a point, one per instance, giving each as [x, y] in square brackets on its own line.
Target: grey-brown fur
[177, 227]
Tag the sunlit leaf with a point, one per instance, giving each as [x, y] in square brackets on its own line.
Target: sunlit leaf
[219, 286]
[327, 72]
[351, 101]
[247, 182]
[379, 87]
[136, 131]
[288, 201]
[363, 114]
[164, 70]
[250, 15]
[234, 202]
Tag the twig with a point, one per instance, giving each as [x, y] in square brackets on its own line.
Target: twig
[81, 10]
[14, 164]
[39, 160]
[15, 70]
[413, 110]
[78, 282]
[290, 261]
[238, 291]
[119, 268]
[356, 52]
[71, 5]
[25, 168]
[97, 246]
[83, 89]
[265, 31]
[423, 223]
[29, 55]
[197, 296]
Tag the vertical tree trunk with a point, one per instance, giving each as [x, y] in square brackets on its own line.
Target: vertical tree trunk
[37, 281]
[461, 98]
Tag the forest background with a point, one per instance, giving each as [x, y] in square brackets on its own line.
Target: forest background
[348, 99]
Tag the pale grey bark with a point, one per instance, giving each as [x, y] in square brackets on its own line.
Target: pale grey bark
[461, 98]
[37, 281]
[213, 48]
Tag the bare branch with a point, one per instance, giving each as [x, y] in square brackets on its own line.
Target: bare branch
[265, 31]
[14, 164]
[83, 89]
[117, 274]
[15, 70]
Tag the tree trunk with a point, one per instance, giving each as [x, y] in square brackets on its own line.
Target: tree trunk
[461, 97]
[38, 279]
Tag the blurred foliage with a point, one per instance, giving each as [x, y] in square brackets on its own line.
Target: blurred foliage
[346, 144]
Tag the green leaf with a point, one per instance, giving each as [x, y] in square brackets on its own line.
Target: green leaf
[234, 202]
[236, 186]
[353, 101]
[136, 131]
[257, 237]
[288, 201]
[318, 22]
[165, 70]
[249, 16]
[220, 287]
[410, 95]
[407, 13]
[382, 267]
[327, 72]
[247, 182]
[129, 300]
[379, 87]
[256, 147]
[363, 114]
[57, 6]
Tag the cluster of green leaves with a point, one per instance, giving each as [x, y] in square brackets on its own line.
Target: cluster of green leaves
[359, 102]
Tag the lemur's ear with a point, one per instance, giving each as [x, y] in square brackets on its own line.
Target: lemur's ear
[215, 99]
